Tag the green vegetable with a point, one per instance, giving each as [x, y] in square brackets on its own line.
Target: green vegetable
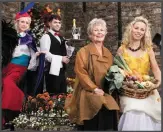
[114, 79]
[119, 59]
[139, 84]
[111, 87]
[108, 79]
[118, 79]
[116, 61]
[114, 68]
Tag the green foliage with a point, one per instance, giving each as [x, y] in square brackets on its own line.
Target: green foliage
[119, 60]
[37, 24]
[114, 79]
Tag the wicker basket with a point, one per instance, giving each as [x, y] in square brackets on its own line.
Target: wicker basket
[135, 93]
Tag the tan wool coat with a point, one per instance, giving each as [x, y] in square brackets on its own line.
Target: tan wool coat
[90, 68]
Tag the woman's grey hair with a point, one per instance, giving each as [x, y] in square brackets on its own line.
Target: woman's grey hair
[94, 22]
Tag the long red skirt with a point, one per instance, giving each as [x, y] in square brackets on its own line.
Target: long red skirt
[12, 96]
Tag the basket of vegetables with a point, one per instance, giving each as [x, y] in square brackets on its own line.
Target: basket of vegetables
[131, 87]
[129, 83]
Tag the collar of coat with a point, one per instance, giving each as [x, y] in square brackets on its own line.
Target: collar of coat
[105, 53]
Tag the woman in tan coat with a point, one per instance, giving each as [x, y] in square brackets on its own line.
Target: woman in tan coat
[90, 107]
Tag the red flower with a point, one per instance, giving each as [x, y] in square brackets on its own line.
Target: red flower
[46, 94]
[54, 96]
[50, 102]
[42, 97]
[60, 96]
[47, 98]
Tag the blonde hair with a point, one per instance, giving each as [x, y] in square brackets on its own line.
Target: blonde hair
[146, 41]
[94, 22]
[16, 22]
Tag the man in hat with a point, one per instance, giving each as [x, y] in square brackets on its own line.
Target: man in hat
[53, 44]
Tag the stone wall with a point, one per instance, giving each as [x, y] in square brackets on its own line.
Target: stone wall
[9, 9]
[106, 10]
[150, 10]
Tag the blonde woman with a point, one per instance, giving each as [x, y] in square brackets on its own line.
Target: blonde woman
[22, 57]
[140, 114]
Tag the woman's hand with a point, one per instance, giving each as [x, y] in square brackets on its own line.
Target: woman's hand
[44, 52]
[38, 53]
[99, 91]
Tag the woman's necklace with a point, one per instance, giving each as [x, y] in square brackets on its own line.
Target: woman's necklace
[134, 50]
